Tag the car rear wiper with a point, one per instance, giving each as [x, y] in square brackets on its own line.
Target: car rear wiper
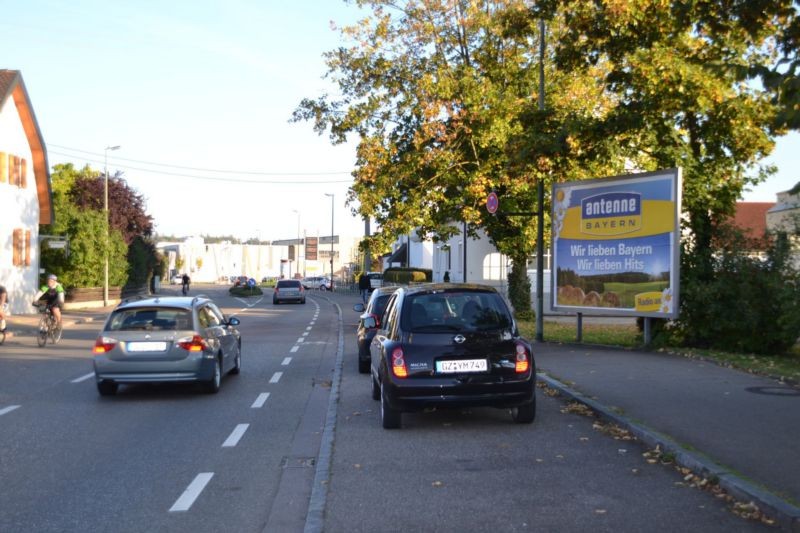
[435, 327]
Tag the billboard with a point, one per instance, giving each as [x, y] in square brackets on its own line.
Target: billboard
[616, 245]
[311, 248]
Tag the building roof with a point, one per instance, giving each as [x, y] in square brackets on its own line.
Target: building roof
[13, 88]
[751, 219]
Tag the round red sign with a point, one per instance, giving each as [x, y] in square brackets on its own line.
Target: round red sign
[492, 203]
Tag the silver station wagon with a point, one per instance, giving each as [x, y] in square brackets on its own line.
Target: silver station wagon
[172, 339]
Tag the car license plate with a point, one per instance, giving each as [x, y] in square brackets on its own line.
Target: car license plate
[464, 365]
[147, 346]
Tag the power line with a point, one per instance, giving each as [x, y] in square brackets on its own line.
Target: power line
[212, 178]
[221, 171]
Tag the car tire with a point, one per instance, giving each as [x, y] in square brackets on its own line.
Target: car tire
[237, 363]
[376, 390]
[390, 418]
[212, 386]
[526, 413]
[107, 388]
[323, 288]
[363, 366]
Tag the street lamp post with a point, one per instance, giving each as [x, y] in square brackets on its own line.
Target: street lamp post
[331, 195]
[297, 248]
[105, 209]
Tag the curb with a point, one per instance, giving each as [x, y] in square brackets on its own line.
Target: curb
[30, 330]
[786, 515]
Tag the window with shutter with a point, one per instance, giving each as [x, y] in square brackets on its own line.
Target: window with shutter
[3, 167]
[27, 247]
[23, 173]
[17, 259]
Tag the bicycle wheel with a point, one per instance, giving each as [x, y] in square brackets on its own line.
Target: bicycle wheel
[55, 331]
[41, 335]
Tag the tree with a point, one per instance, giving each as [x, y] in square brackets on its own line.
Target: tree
[126, 207]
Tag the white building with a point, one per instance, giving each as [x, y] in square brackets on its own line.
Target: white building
[25, 194]
[784, 216]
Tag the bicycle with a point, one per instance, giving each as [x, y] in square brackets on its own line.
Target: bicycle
[48, 327]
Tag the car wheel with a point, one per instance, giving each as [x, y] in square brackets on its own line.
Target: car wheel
[323, 288]
[107, 388]
[237, 363]
[376, 390]
[526, 413]
[391, 418]
[212, 386]
[363, 365]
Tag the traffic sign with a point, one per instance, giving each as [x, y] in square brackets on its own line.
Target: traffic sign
[492, 203]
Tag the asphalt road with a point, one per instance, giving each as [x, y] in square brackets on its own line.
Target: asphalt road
[171, 458]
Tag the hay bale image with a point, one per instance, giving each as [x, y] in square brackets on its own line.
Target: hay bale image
[592, 299]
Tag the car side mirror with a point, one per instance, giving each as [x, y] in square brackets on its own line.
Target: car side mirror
[359, 308]
[233, 321]
[370, 322]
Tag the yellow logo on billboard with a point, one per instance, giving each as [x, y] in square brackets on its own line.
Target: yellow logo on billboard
[648, 302]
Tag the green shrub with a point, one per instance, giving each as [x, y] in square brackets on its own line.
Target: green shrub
[519, 289]
[245, 291]
[403, 275]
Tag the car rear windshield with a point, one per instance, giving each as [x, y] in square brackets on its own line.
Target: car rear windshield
[288, 284]
[150, 318]
[455, 311]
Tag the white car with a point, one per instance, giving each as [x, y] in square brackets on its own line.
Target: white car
[177, 280]
[317, 282]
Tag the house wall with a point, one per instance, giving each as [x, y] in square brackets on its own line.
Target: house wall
[484, 263]
[785, 216]
[19, 209]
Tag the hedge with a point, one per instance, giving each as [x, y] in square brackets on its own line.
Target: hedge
[406, 275]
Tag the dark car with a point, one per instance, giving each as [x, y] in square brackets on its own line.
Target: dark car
[448, 345]
[172, 339]
[289, 290]
[364, 335]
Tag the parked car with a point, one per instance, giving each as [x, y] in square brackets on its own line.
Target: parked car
[167, 339]
[446, 345]
[289, 290]
[364, 335]
[317, 282]
[176, 280]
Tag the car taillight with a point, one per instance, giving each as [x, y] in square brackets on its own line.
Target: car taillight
[399, 368]
[103, 345]
[193, 344]
[523, 360]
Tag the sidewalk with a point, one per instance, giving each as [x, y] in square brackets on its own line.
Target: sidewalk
[740, 428]
[27, 325]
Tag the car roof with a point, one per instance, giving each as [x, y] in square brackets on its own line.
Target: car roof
[433, 287]
[186, 302]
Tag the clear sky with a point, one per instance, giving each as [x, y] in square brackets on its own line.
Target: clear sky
[206, 85]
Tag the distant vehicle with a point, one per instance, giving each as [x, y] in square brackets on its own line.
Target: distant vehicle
[446, 345]
[289, 290]
[176, 280]
[375, 280]
[317, 282]
[167, 339]
[364, 335]
[240, 281]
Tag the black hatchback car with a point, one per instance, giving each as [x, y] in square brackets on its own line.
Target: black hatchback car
[450, 345]
[364, 335]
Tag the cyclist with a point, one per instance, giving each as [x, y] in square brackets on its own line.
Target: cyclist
[185, 287]
[53, 295]
[3, 308]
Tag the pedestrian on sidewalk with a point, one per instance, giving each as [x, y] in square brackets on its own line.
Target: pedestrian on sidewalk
[363, 286]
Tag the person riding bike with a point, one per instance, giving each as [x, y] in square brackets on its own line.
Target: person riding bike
[53, 295]
[185, 286]
[3, 308]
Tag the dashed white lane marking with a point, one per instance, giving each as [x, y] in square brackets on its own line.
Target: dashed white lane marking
[308, 328]
[305, 334]
[301, 339]
[294, 349]
[83, 378]
[184, 503]
[286, 361]
[235, 436]
[276, 377]
[8, 409]
[260, 401]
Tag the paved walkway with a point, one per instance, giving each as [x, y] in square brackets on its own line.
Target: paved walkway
[747, 428]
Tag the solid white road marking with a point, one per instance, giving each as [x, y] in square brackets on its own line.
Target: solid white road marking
[235, 436]
[8, 409]
[248, 304]
[83, 378]
[294, 349]
[286, 361]
[260, 401]
[184, 503]
[275, 377]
